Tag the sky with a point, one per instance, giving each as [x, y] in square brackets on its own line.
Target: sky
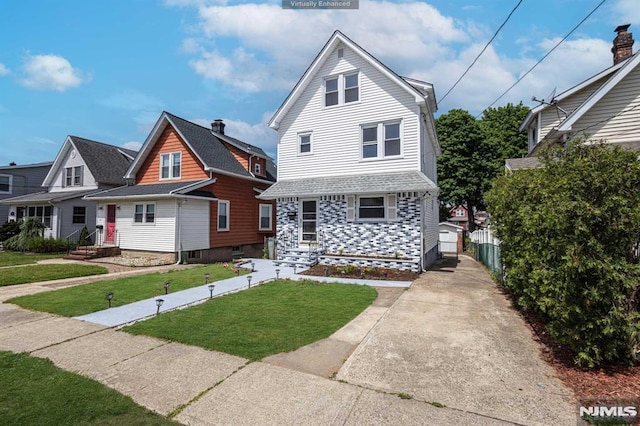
[105, 70]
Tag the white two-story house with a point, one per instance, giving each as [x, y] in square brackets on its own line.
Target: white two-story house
[357, 151]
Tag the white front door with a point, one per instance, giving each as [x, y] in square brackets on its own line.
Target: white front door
[308, 220]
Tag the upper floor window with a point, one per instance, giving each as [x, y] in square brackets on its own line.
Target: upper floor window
[459, 213]
[533, 135]
[257, 169]
[5, 184]
[341, 89]
[170, 165]
[304, 143]
[73, 176]
[381, 140]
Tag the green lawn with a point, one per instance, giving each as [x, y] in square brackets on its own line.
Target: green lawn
[36, 392]
[11, 258]
[36, 273]
[87, 298]
[275, 317]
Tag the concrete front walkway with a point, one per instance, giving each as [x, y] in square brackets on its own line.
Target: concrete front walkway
[450, 339]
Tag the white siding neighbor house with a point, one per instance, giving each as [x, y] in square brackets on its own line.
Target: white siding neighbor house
[357, 152]
[605, 107]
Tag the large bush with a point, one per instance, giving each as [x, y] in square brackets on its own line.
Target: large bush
[30, 227]
[567, 233]
[9, 229]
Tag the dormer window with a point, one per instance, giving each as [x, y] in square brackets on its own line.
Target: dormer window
[170, 165]
[257, 170]
[342, 89]
[73, 176]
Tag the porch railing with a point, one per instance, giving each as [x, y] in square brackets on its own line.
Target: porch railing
[72, 240]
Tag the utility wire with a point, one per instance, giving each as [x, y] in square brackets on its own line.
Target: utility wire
[481, 52]
[543, 58]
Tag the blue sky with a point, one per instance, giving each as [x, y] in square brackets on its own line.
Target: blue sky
[105, 70]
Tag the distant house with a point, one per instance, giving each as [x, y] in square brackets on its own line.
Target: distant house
[357, 152]
[192, 195]
[459, 215]
[17, 180]
[605, 107]
[81, 167]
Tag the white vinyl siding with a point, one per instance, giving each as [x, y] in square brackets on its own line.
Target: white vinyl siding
[194, 224]
[616, 116]
[337, 148]
[159, 237]
[84, 179]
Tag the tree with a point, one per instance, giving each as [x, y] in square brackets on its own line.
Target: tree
[473, 152]
[568, 235]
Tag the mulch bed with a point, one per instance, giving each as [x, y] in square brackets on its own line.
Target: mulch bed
[609, 382]
[366, 273]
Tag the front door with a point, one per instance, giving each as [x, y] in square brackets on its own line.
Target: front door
[309, 220]
[110, 237]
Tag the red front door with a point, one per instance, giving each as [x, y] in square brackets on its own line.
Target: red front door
[111, 224]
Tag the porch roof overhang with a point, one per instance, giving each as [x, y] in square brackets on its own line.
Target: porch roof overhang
[410, 181]
[190, 189]
[45, 197]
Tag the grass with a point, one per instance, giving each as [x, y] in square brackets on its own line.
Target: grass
[13, 258]
[87, 298]
[36, 392]
[278, 316]
[36, 273]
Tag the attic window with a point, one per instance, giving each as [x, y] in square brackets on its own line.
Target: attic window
[342, 89]
[170, 165]
[340, 53]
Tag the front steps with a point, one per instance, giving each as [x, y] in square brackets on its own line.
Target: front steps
[301, 257]
[92, 252]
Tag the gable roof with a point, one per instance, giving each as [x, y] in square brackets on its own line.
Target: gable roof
[107, 163]
[25, 166]
[602, 74]
[206, 145]
[422, 92]
[629, 65]
[46, 197]
[157, 190]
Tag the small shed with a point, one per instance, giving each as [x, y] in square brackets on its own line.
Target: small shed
[450, 238]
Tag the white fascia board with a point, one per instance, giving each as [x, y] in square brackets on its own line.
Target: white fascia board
[58, 161]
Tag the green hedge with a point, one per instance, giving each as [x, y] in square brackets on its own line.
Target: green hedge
[567, 233]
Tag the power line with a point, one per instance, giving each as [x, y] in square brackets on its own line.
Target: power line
[544, 57]
[481, 52]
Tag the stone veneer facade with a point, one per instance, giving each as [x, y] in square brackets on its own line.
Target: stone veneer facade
[385, 239]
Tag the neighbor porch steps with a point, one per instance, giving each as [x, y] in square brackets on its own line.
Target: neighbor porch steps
[92, 252]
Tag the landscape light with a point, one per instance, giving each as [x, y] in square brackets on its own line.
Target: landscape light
[211, 287]
[166, 287]
[109, 296]
[249, 280]
[159, 303]
[206, 277]
[253, 266]
[277, 273]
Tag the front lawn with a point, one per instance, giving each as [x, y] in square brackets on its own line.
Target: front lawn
[36, 273]
[87, 298]
[11, 258]
[278, 316]
[36, 392]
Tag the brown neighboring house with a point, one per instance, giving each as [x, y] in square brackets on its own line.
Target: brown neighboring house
[459, 215]
[192, 194]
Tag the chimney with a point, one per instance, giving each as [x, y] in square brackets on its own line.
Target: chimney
[218, 126]
[622, 44]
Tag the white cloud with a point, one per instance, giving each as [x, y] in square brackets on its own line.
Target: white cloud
[132, 145]
[51, 72]
[142, 108]
[627, 11]
[4, 70]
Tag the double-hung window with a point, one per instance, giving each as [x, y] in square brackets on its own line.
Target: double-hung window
[381, 140]
[371, 208]
[170, 165]
[304, 143]
[342, 89]
[5, 184]
[223, 215]
[73, 176]
[144, 213]
[266, 213]
[79, 214]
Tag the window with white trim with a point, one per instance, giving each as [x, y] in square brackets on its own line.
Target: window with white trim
[371, 208]
[381, 140]
[376, 208]
[266, 215]
[73, 176]
[223, 215]
[304, 143]
[144, 213]
[43, 213]
[5, 184]
[170, 165]
[342, 89]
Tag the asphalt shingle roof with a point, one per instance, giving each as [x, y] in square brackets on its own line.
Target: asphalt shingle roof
[522, 163]
[106, 162]
[44, 197]
[208, 147]
[353, 184]
[181, 187]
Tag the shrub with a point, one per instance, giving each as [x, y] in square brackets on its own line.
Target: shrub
[567, 234]
[83, 239]
[9, 229]
[46, 245]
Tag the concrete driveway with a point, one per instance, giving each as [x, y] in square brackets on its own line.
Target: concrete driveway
[450, 343]
[453, 339]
